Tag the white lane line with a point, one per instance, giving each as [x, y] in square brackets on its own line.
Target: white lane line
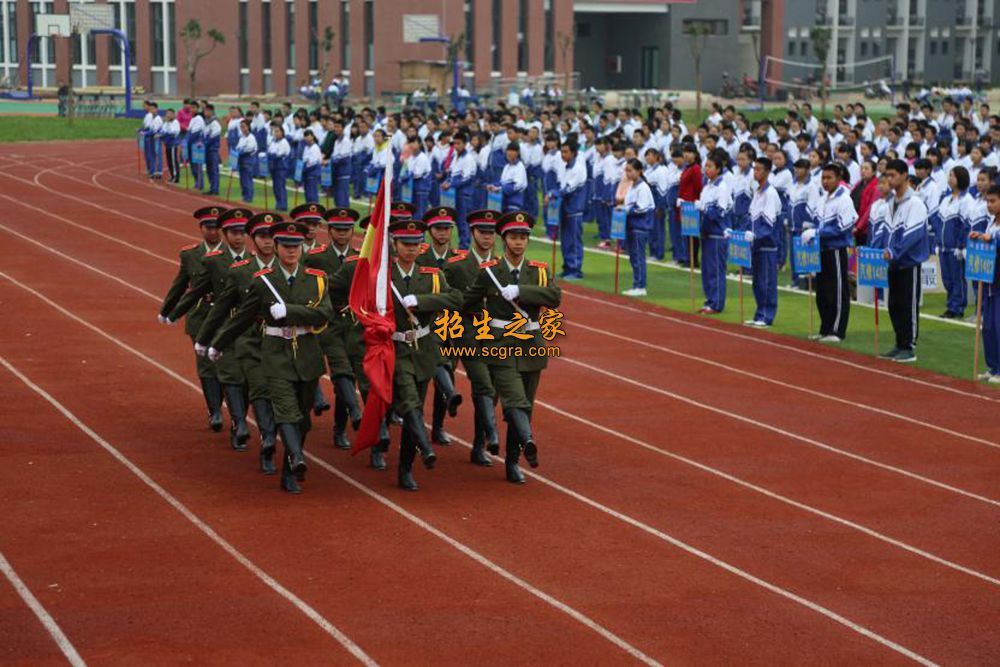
[58, 636]
[269, 581]
[771, 343]
[718, 562]
[479, 558]
[785, 385]
[788, 434]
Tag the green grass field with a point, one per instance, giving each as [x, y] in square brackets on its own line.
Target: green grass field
[53, 128]
[945, 346]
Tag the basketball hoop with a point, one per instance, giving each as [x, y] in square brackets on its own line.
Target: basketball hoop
[53, 25]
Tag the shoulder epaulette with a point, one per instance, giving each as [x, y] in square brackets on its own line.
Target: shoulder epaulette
[541, 265]
[242, 262]
[191, 247]
[263, 272]
[318, 249]
[429, 269]
[213, 253]
[486, 265]
[456, 258]
[352, 258]
[316, 272]
[424, 247]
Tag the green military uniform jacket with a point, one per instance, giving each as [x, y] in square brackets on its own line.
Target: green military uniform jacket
[226, 305]
[298, 358]
[208, 282]
[433, 294]
[190, 264]
[334, 339]
[536, 291]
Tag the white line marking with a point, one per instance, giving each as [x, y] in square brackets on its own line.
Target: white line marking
[61, 640]
[269, 581]
[479, 558]
[789, 348]
[788, 434]
[786, 385]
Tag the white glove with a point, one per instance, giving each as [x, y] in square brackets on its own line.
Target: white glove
[699, 205]
[200, 349]
[161, 319]
[808, 235]
[727, 233]
[214, 355]
[959, 254]
[278, 311]
[410, 301]
[748, 237]
[510, 292]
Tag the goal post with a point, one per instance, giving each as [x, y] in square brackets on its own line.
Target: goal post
[802, 78]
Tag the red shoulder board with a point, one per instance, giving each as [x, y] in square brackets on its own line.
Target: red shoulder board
[461, 251]
[316, 272]
[352, 258]
[239, 263]
[424, 247]
[486, 265]
[213, 253]
[541, 265]
[263, 272]
[317, 250]
[429, 269]
[191, 247]
[456, 258]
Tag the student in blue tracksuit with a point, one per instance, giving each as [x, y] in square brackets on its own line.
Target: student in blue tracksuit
[741, 187]
[953, 226]
[908, 247]
[782, 178]
[420, 173]
[312, 162]
[764, 214]
[196, 137]
[213, 138]
[246, 149]
[990, 230]
[461, 178]
[151, 126]
[640, 207]
[716, 207]
[531, 154]
[513, 180]
[800, 200]
[656, 177]
[572, 194]
[339, 161]
[550, 168]
[674, 170]
[277, 156]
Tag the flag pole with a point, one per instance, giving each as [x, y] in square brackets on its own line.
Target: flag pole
[979, 328]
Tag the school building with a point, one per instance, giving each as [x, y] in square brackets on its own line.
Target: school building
[273, 46]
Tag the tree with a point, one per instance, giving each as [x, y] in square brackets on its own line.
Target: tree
[456, 45]
[194, 50]
[820, 36]
[697, 32]
[565, 47]
[326, 45]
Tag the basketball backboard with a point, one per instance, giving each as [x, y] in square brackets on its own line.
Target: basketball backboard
[52, 25]
[91, 16]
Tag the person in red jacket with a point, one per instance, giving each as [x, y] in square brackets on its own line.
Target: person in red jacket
[689, 190]
[865, 194]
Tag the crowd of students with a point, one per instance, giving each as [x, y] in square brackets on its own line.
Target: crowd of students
[912, 183]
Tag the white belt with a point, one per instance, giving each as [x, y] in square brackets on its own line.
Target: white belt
[502, 324]
[411, 335]
[287, 332]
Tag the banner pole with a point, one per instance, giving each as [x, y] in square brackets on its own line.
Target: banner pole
[264, 187]
[979, 327]
[691, 269]
[809, 282]
[555, 239]
[876, 321]
[618, 252]
[742, 316]
[229, 186]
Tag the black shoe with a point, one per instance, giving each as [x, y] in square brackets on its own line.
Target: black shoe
[531, 453]
[268, 434]
[267, 460]
[288, 482]
[239, 434]
[414, 425]
[891, 354]
[487, 413]
[294, 456]
[406, 481]
[340, 440]
[514, 474]
[212, 391]
[948, 315]
[478, 457]
[376, 458]
[343, 388]
[440, 437]
[519, 421]
[453, 403]
[438, 434]
[320, 404]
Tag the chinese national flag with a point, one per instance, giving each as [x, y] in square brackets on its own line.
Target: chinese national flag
[370, 299]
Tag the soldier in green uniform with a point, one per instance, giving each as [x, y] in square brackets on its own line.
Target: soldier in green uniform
[311, 215]
[294, 303]
[190, 263]
[515, 290]
[418, 294]
[208, 284]
[461, 272]
[440, 223]
[330, 258]
[247, 347]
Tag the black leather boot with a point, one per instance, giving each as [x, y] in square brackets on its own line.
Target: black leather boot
[291, 436]
[478, 454]
[444, 381]
[407, 452]
[212, 390]
[268, 434]
[288, 482]
[319, 402]
[340, 440]
[414, 423]
[343, 387]
[238, 431]
[376, 456]
[484, 405]
[519, 420]
[514, 474]
[438, 435]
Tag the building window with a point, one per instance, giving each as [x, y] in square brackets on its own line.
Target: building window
[550, 37]
[864, 48]
[791, 48]
[161, 29]
[876, 49]
[369, 34]
[290, 34]
[470, 30]
[345, 34]
[265, 29]
[313, 35]
[241, 37]
[715, 26]
[497, 14]
[944, 47]
[522, 36]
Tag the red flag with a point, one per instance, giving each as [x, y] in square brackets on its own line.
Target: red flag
[371, 302]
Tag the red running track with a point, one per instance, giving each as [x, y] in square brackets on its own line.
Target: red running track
[705, 501]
